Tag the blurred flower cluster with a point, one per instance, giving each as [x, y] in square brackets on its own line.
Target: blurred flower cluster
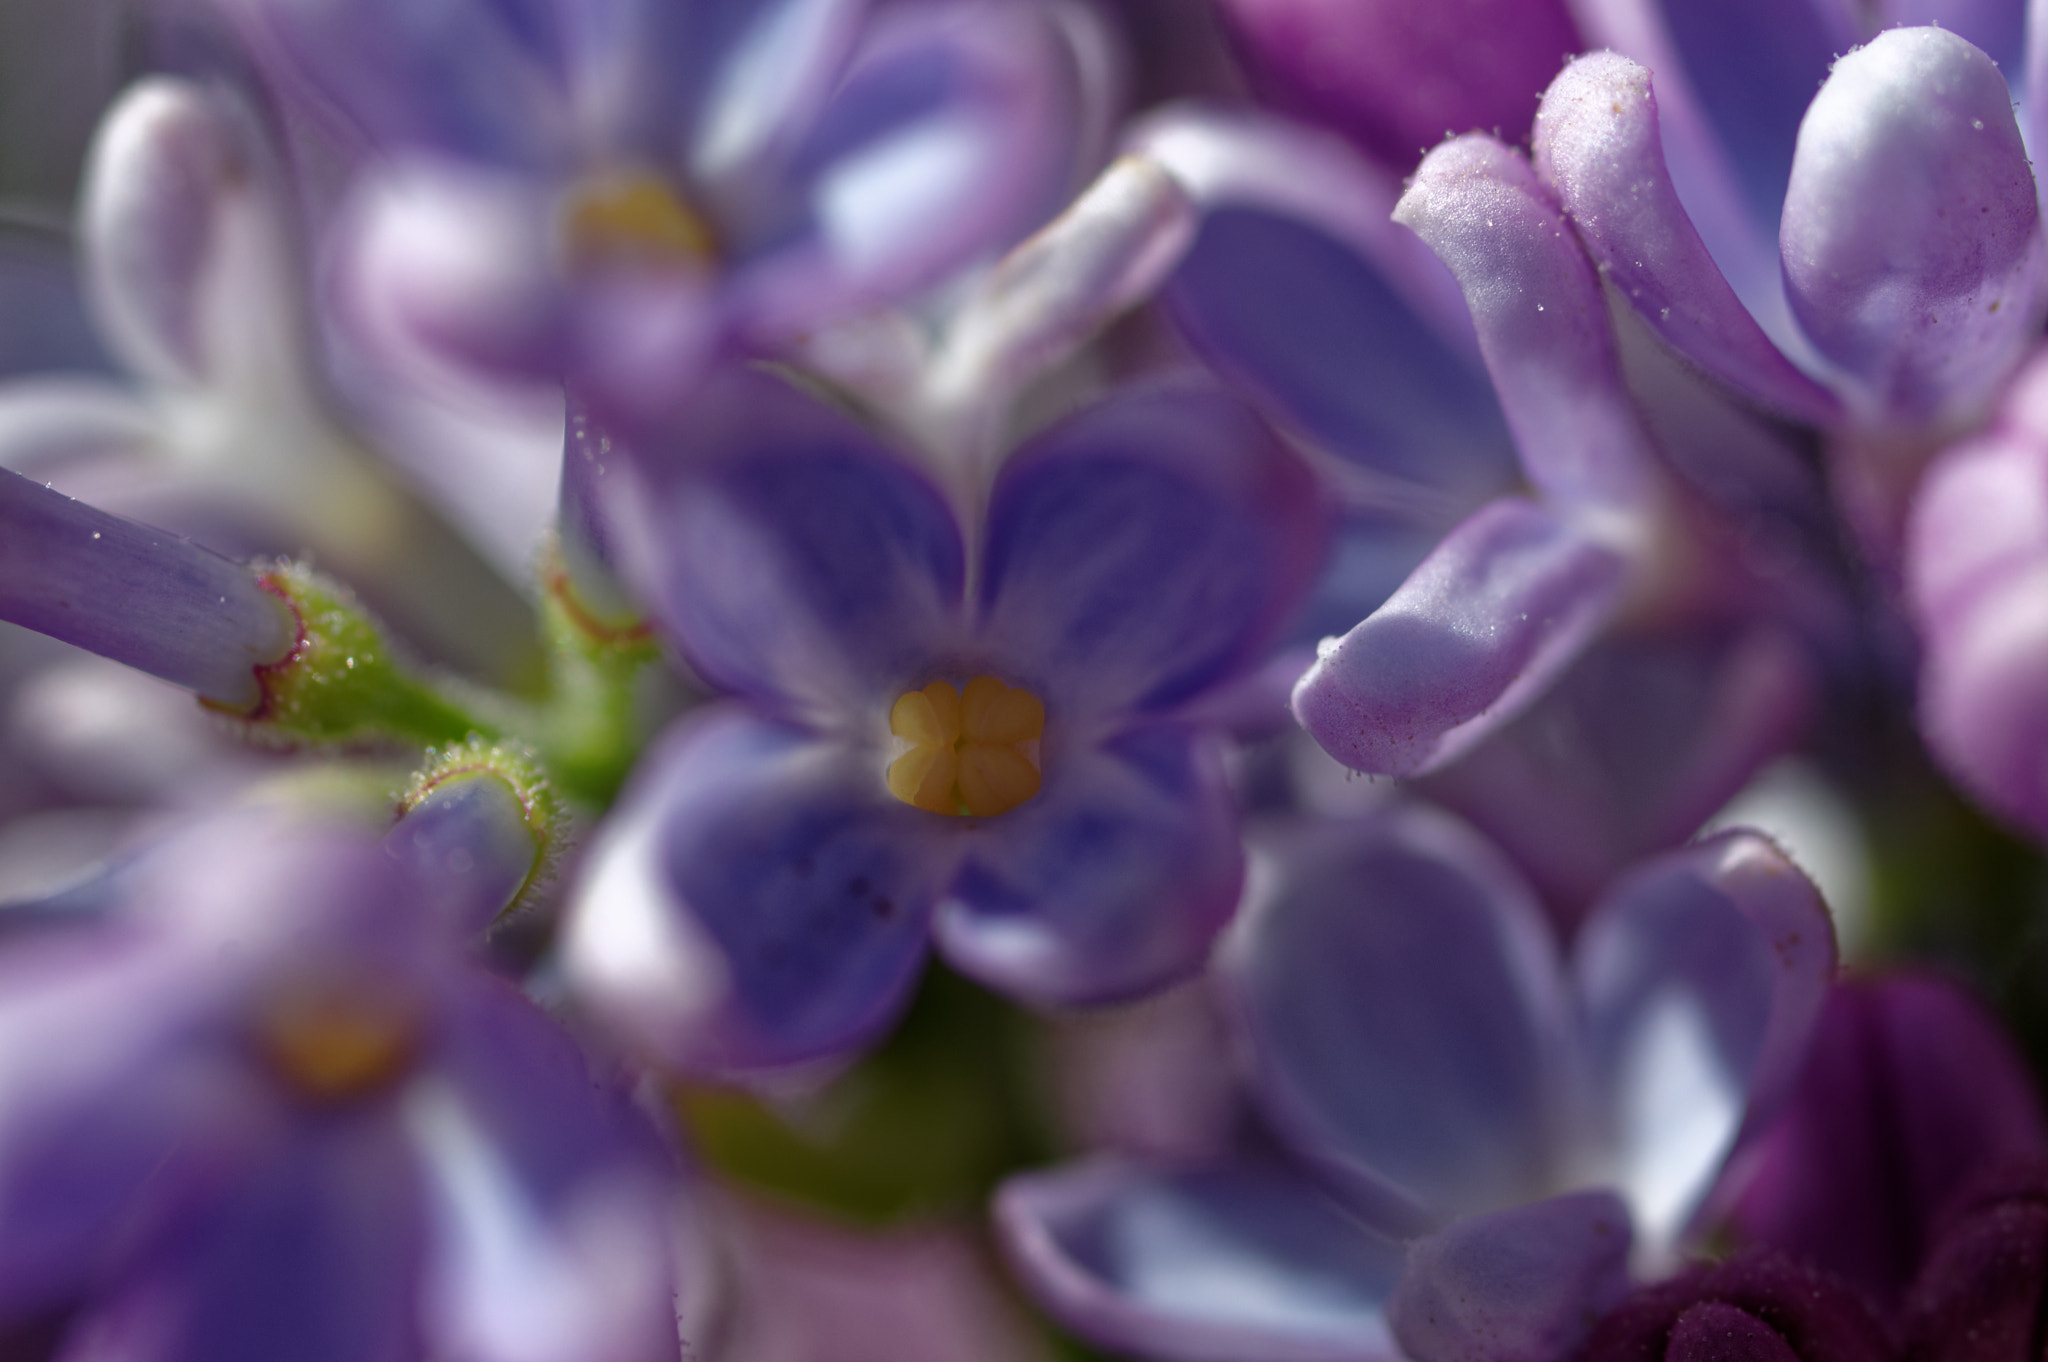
[1198, 680]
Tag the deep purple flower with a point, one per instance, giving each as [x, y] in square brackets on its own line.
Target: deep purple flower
[764, 893]
[1911, 1088]
[268, 1105]
[1978, 1295]
[1755, 1308]
[616, 192]
[1482, 1138]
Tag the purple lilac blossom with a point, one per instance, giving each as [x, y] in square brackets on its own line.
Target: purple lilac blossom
[1911, 1088]
[616, 193]
[270, 1105]
[1758, 1307]
[761, 897]
[1481, 1139]
[1978, 1294]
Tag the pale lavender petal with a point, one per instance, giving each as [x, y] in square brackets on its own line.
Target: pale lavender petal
[1542, 321]
[1597, 145]
[472, 833]
[1111, 882]
[1997, 27]
[1979, 522]
[780, 65]
[758, 899]
[1396, 77]
[1300, 289]
[156, 602]
[168, 171]
[1406, 1017]
[1702, 976]
[794, 558]
[47, 422]
[1911, 1090]
[548, 1197]
[1522, 1285]
[1241, 1263]
[1147, 549]
[1912, 240]
[309, 1253]
[1503, 605]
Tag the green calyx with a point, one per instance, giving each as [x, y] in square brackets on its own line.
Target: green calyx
[343, 682]
[591, 727]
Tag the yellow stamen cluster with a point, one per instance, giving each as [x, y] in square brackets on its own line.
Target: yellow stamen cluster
[636, 218]
[972, 751]
[334, 1043]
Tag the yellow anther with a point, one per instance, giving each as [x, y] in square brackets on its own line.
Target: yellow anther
[635, 218]
[968, 751]
[332, 1043]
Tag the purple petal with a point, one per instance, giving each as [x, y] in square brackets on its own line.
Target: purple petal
[1912, 240]
[1111, 882]
[549, 1201]
[1912, 1088]
[1476, 633]
[1227, 1264]
[1404, 1009]
[1702, 976]
[795, 559]
[781, 65]
[1396, 77]
[472, 832]
[1597, 145]
[1541, 317]
[1520, 1285]
[1147, 549]
[760, 899]
[151, 600]
[1301, 291]
[309, 1254]
[1757, 1307]
[167, 170]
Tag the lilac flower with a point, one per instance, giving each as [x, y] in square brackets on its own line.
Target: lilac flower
[1755, 1308]
[1910, 273]
[1978, 1294]
[1471, 1126]
[614, 193]
[983, 732]
[1910, 1090]
[267, 1105]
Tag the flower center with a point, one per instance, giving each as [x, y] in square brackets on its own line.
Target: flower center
[635, 218]
[331, 1043]
[972, 750]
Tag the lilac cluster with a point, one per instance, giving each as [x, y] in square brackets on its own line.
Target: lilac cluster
[991, 678]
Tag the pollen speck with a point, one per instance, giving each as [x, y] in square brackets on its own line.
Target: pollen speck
[972, 751]
[634, 217]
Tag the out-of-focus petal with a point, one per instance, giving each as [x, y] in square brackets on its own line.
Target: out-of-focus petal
[1146, 549]
[48, 422]
[1396, 77]
[1403, 1003]
[168, 168]
[548, 1217]
[1111, 882]
[758, 900]
[1541, 317]
[795, 559]
[1521, 1285]
[1302, 291]
[1476, 633]
[1227, 1264]
[778, 68]
[310, 1253]
[1979, 520]
[1597, 145]
[1702, 976]
[1911, 1089]
[1914, 253]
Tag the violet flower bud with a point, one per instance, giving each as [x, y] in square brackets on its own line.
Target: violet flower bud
[1978, 1296]
[1755, 1308]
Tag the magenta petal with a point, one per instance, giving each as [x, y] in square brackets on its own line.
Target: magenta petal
[1147, 549]
[1702, 976]
[1521, 1285]
[1475, 634]
[1111, 882]
[1403, 1007]
[1541, 316]
[1912, 1088]
[759, 898]
[1912, 241]
[1597, 145]
[1230, 1264]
